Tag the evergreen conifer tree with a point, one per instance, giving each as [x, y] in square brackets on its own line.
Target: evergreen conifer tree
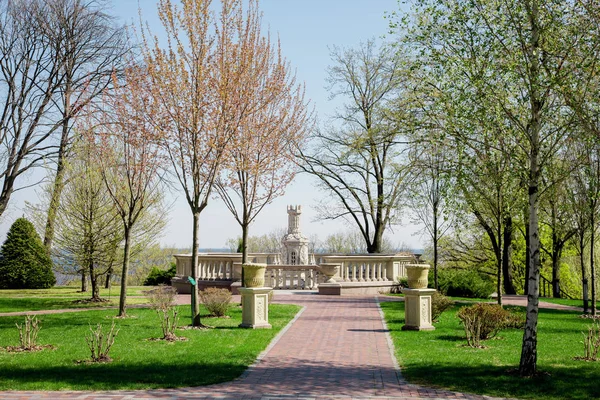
[24, 262]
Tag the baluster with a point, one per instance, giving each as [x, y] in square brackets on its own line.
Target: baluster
[379, 271]
[384, 272]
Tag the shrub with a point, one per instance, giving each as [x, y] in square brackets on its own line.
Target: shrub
[216, 301]
[515, 318]
[482, 321]
[465, 283]
[24, 261]
[399, 284]
[158, 276]
[439, 304]
[591, 343]
[162, 300]
[28, 333]
[100, 344]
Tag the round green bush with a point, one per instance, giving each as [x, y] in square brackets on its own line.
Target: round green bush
[159, 276]
[24, 261]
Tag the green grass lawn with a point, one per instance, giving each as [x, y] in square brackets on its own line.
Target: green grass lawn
[441, 358]
[63, 297]
[209, 356]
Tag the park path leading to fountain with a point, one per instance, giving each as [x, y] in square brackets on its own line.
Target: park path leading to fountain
[337, 348]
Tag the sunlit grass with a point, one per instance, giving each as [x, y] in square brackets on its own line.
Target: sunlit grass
[441, 358]
[64, 297]
[209, 356]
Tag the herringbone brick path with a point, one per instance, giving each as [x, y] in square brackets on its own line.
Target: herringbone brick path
[338, 348]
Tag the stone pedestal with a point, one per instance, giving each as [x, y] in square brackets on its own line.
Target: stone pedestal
[417, 309]
[255, 307]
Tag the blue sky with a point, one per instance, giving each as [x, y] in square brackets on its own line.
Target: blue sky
[307, 29]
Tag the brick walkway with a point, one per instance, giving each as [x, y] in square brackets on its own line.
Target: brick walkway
[337, 348]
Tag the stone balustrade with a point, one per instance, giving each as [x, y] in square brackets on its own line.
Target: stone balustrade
[293, 277]
[368, 267]
[220, 266]
[356, 274]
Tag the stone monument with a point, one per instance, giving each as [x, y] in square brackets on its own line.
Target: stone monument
[294, 245]
[417, 299]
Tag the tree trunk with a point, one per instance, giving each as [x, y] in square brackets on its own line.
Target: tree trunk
[108, 276]
[527, 256]
[375, 245]
[7, 190]
[84, 287]
[584, 281]
[556, 256]
[435, 246]
[528, 362]
[592, 264]
[509, 287]
[124, 273]
[195, 245]
[60, 172]
[94, 282]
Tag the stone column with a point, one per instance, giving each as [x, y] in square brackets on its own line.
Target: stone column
[255, 307]
[417, 299]
[417, 309]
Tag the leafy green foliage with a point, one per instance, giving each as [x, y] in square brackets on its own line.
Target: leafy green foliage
[444, 363]
[159, 276]
[465, 283]
[24, 262]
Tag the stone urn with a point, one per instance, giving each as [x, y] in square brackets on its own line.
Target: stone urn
[254, 275]
[417, 275]
[329, 270]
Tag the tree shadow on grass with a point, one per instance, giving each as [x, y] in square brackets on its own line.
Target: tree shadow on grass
[503, 381]
[451, 338]
[116, 375]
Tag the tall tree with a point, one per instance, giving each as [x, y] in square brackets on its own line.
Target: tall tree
[30, 78]
[127, 147]
[558, 217]
[526, 47]
[259, 161]
[90, 48]
[198, 81]
[430, 184]
[88, 227]
[359, 161]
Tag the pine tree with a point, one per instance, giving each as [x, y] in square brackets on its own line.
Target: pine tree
[24, 262]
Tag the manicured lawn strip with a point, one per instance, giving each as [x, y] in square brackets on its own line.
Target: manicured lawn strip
[209, 356]
[566, 302]
[440, 358]
[71, 291]
[15, 304]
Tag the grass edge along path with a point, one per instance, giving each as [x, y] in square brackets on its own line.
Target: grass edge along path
[208, 356]
[441, 359]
